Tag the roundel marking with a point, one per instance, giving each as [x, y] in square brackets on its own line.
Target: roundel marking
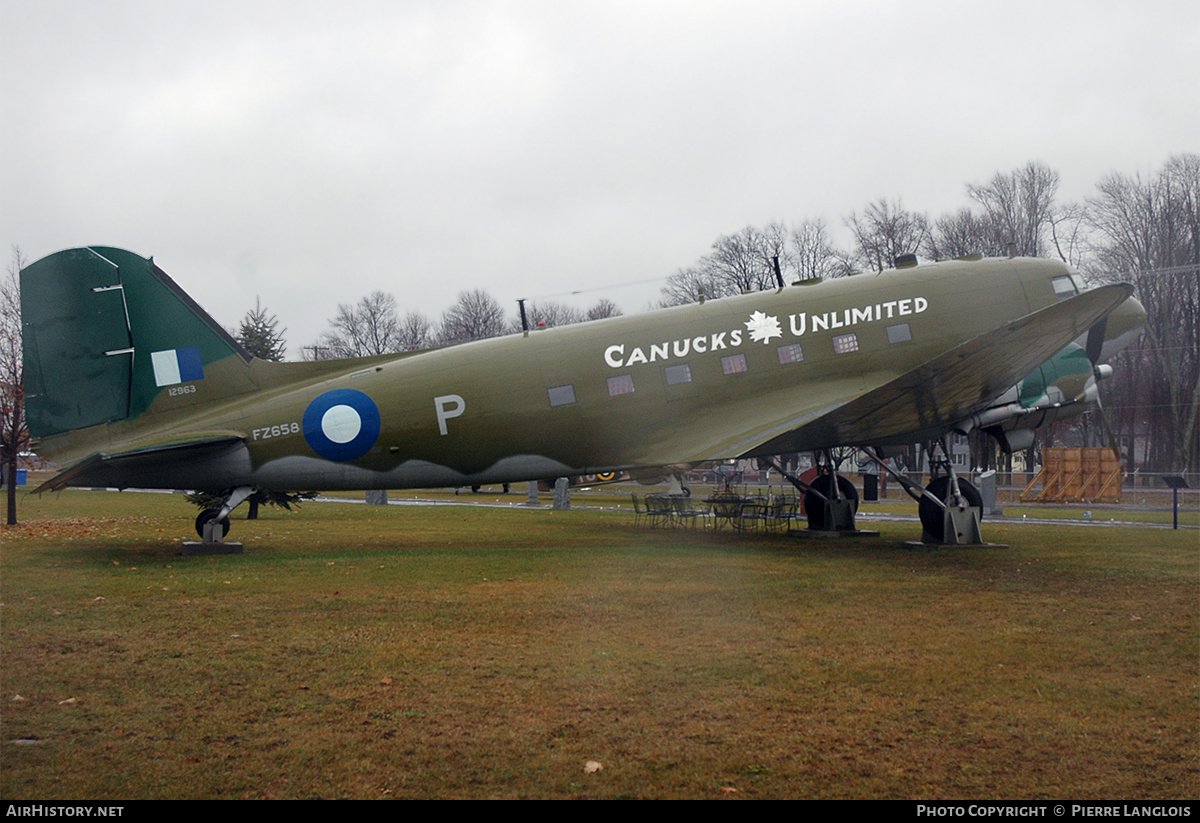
[342, 424]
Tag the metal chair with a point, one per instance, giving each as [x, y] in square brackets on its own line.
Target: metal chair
[659, 510]
[639, 514]
[726, 510]
[779, 513]
[753, 515]
[684, 511]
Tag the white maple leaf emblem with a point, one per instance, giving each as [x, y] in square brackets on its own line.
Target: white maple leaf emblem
[763, 327]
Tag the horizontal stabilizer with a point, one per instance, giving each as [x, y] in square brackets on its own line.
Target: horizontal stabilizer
[100, 469]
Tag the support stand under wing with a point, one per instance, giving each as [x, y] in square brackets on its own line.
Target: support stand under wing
[960, 526]
[213, 525]
[836, 499]
[951, 509]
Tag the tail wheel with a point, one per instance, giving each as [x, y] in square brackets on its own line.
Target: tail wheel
[207, 516]
[814, 506]
[933, 519]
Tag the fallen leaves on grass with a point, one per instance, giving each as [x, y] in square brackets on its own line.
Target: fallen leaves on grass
[68, 528]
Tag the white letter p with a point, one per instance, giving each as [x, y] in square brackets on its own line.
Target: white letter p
[448, 406]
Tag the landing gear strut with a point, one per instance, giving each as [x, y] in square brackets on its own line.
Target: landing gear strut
[830, 501]
[213, 524]
[829, 511]
[955, 520]
[207, 517]
[950, 507]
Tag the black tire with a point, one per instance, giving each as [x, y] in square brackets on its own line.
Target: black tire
[933, 520]
[207, 516]
[814, 506]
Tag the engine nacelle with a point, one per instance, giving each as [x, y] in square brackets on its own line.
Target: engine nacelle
[1061, 388]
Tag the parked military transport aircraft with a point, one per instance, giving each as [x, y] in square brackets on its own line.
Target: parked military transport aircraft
[130, 383]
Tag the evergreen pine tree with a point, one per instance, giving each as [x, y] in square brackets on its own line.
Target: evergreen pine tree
[260, 334]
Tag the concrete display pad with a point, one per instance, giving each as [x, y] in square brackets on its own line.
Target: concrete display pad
[192, 548]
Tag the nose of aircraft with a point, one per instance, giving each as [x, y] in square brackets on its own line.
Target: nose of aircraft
[1124, 324]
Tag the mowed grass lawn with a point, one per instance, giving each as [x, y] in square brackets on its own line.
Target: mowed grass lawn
[366, 652]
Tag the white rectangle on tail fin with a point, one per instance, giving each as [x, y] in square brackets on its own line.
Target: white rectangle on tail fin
[166, 368]
[177, 366]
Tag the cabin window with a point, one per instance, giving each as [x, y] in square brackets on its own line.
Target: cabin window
[791, 354]
[733, 364]
[621, 384]
[845, 343]
[561, 395]
[899, 333]
[678, 374]
[1064, 287]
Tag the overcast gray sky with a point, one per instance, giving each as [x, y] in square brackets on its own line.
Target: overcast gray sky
[312, 152]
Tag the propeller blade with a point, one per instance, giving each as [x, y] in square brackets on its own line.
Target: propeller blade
[1112, 438]
[1095, 339]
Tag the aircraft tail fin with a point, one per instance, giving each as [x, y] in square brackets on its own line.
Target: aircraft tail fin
[106, 332]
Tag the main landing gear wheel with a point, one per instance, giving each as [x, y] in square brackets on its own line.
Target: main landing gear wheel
[933, 516]
[207, 516]
[814, 506]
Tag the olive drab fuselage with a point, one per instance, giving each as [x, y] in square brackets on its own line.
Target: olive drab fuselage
[175, 403]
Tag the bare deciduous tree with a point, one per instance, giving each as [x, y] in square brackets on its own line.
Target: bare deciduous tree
[812, 254]
[1019, 207]
[960, 235]
[603, 308]
[416, 332]
[474, 316]
[741, 262]
[1149, 232]
[745, 262]
[547, 315]
[14, 435]
[688, 285]
[1068, 233]
[884, 231]
[366, 328]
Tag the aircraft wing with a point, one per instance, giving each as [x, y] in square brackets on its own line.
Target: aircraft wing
[106, 469]
[942, 391]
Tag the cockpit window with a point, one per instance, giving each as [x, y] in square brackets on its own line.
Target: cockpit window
[1064, 287]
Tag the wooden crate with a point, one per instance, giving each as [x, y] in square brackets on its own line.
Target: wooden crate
[1090, 475]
